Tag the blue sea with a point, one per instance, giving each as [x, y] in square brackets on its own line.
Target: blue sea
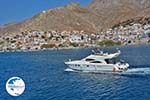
[45, 78]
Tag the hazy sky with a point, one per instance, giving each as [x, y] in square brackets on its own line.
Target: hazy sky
[18, 10]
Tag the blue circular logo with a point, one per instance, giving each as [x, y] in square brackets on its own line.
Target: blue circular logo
[15, 86]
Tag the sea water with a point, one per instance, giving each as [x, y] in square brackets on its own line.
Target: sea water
[45, 78]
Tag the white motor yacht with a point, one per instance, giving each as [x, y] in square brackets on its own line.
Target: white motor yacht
[99, 62]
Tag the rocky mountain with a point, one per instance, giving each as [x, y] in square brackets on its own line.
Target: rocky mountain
[117, 11]
[99, 15]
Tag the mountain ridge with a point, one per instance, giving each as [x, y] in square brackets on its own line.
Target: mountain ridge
[97, 16]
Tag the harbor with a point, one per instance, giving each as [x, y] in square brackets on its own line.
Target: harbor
[133, 34]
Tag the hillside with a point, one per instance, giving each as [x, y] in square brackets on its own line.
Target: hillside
[99, 15]
[117, 11]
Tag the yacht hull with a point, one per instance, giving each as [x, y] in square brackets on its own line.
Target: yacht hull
[93, 68]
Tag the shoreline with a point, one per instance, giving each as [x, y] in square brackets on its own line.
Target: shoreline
[68, 48]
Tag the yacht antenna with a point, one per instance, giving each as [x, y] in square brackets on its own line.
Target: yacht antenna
[93, 52]
[118, 50]
[99, 50]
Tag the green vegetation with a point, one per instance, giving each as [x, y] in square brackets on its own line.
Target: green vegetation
[109, 43]
[74, 44]
[1, 42]
[61, 45]
[48, 46]
[147, 20]
[13, 41]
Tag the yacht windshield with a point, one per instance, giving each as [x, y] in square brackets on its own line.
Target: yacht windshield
[110, 61]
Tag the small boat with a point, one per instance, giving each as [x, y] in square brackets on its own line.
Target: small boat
[99, 63]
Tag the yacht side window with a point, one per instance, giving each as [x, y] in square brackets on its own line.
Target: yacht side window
[96, 62]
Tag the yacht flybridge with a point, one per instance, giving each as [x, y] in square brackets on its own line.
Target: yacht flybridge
[99, 62]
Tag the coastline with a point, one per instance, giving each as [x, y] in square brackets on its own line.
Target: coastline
[70, 48]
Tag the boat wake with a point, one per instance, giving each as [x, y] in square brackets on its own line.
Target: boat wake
[129, 72]
[137, 71]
